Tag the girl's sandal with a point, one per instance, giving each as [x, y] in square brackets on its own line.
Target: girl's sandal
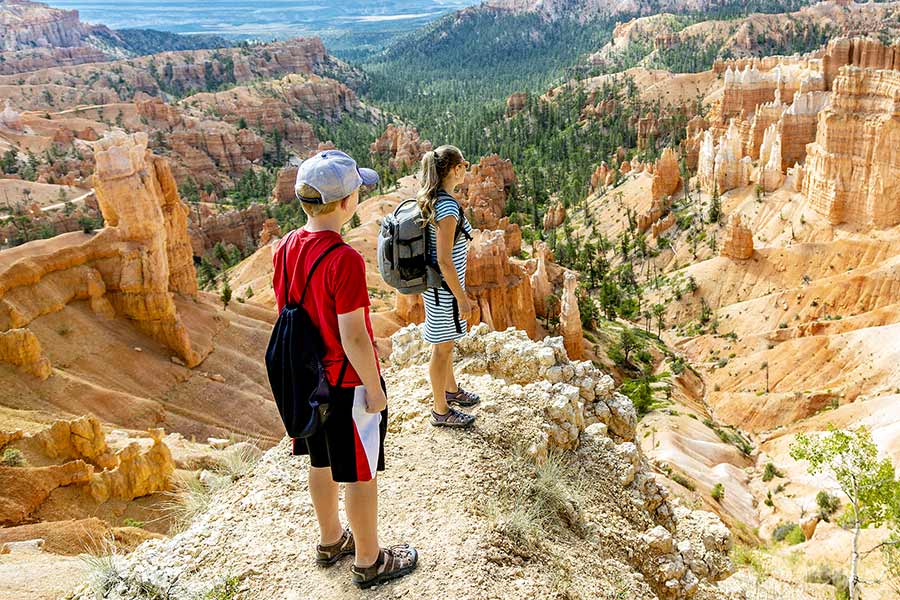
[462, 398]
[392, 563]
[328, 555]
[453, 418]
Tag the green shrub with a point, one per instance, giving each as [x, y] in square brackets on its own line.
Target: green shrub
[831, 576]
[12, 457]
[795, 536]
[129, 522]
[683, 481]
[227, 590]
[782, 531]
[718, 492]
[828, 505]
[770, 472]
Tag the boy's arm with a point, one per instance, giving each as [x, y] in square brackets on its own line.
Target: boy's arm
[361, 354]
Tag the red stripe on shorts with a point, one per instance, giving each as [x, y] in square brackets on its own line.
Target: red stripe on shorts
[363, 472]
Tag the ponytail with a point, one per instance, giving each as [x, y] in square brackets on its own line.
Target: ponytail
[435, 166]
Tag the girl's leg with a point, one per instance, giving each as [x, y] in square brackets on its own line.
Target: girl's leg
[324, 493]
[451, 385]
[440, 370]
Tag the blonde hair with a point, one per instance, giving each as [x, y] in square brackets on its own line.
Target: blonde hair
[313, 209]
[435, 166]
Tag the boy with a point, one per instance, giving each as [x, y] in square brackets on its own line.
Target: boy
[349, 447]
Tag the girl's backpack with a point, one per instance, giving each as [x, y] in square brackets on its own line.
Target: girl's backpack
[404, 249]
[294, 362]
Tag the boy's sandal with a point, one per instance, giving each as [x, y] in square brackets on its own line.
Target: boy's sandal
[453, 418]
[392, 563]
[328, 555]
[462, 398]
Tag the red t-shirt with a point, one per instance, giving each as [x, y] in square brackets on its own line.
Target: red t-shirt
[338, 287]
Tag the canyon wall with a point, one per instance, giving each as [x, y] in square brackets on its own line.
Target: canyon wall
[853, 167]
[175, 73]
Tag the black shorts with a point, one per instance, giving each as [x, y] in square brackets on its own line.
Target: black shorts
[350, 441]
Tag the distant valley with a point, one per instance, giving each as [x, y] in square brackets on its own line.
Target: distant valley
[342, 23]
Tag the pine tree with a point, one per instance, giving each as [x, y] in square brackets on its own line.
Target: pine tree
[715, 207]
[225, 295]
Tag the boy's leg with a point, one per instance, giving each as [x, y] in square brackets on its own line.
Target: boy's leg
[439, 371]
[324, 493]
[361, 501]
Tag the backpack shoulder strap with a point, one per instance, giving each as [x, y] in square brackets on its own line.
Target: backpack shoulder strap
[460, 228]
[284, 272]
[316, 264]
[460, 220]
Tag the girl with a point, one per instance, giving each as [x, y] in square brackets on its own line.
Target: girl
[446, 309]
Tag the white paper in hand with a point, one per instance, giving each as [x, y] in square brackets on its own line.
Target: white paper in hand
[367, 428]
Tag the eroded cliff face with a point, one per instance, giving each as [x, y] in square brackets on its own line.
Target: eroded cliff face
[25, 25]
[771, 110]
[240, 228]
[129, 269]
[853, 167]
[176, 73]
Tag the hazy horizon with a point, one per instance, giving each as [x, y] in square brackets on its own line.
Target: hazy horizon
[264, 20]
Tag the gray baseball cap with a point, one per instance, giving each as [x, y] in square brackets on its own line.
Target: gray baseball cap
[334, 175]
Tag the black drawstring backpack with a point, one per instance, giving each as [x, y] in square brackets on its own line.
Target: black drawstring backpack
[294, 362]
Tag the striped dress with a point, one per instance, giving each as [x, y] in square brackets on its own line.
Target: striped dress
[440, 323]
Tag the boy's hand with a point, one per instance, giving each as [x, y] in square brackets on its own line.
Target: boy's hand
[376, 400]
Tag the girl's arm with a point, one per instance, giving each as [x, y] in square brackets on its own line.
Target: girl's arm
[446, 233]
[446, 238]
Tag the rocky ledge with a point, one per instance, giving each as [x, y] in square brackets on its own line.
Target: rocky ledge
[474, 504]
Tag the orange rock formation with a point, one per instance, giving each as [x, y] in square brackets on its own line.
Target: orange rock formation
[738, 242]
[130, 269]
[516, 103]
[570, 318]
[540, 279]
[485, 190]
[666, 175]
[501, 289]
[555, 216]
[284, 185]
[240, 228]
[76, 455]
[401, 145]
